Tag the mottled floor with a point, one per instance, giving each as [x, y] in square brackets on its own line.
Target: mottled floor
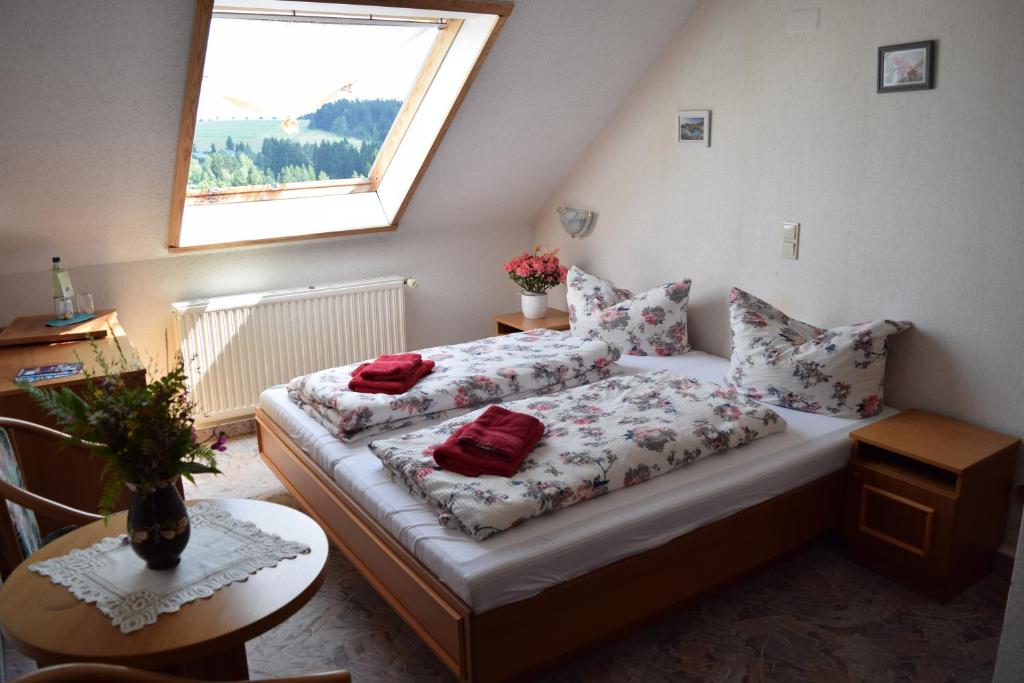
[811, 617]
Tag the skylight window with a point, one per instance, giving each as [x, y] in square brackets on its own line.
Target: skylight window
[337, 107]
[316, 106]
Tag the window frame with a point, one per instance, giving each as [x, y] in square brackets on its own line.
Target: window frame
[182, 198]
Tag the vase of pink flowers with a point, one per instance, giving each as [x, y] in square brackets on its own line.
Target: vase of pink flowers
[536, 272]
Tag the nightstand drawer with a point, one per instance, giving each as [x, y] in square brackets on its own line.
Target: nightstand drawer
[896, 520]
[909, 525]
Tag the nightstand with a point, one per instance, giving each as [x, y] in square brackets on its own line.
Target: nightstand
[508, 323]
[926, 500]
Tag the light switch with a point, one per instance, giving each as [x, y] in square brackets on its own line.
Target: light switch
[790, 240]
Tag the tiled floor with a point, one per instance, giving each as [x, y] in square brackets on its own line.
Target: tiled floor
[811, 617]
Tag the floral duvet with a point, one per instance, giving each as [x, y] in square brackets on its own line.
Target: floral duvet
[466, 376]
[600, 437]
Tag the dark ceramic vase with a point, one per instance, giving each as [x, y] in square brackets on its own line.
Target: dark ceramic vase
[158, 527]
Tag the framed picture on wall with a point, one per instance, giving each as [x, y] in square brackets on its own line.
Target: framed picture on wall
[910, 66]
[694, 126]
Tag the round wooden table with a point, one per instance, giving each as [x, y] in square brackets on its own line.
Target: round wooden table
[204, 639]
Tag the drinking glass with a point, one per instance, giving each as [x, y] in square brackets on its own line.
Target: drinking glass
[85, 304]
[63, 308]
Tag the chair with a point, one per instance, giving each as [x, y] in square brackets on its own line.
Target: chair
[19, 531]
[109, 673]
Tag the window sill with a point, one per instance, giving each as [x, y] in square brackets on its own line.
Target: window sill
[221, 225]
[281, 240]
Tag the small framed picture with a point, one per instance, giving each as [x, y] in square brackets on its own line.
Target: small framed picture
[694, 126]
[910, 66]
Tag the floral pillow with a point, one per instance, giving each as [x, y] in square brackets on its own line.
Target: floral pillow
[780, 360]
[652, 323]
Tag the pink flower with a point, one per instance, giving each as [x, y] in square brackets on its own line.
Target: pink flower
[536, 271]
[221, 443]
[871, 405]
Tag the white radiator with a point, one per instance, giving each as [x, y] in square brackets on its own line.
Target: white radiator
[236, 346]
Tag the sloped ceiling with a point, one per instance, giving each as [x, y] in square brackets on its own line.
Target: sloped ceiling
[92, 93]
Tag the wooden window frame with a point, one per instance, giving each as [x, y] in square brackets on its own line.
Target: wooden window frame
[180, 195]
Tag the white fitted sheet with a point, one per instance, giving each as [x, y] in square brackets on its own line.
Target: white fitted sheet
[549, 550]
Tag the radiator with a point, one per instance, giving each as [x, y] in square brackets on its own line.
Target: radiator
[236, 346]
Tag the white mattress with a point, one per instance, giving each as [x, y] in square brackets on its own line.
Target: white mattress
[546, 551]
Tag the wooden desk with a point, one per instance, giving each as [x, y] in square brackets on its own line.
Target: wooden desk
[554, 319]
[69, 476]
[205, 639]
[33, 329]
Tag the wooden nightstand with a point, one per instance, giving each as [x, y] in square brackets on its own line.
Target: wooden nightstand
[508, 323]
[927, 499]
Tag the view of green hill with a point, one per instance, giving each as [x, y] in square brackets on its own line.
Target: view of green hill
[339, 140]
[252, 132]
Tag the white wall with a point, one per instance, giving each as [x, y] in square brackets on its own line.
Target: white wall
[911, 204]
[91, 95]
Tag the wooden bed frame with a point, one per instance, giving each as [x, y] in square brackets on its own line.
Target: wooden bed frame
[514, 639]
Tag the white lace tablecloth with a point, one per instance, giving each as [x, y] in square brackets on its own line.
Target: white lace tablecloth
[221, 550]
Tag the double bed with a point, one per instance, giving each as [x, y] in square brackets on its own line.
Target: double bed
[500, 607]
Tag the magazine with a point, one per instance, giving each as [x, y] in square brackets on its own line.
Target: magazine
[44, 372]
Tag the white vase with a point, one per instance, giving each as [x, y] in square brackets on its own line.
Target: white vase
[535, 306]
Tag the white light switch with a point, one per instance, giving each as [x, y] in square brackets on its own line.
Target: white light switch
[790, 240]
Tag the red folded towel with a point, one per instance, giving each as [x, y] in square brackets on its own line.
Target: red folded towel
[392, 366]
[501, 433]
[495, 443]
[399, 386]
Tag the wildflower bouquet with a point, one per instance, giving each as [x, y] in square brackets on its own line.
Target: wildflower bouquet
[145, 433]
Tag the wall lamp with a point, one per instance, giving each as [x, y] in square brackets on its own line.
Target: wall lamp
[576, 222]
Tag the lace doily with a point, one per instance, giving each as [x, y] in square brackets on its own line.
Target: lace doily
[221, 550]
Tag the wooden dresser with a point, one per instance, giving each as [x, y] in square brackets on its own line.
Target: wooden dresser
[69, 476]
[927, 499]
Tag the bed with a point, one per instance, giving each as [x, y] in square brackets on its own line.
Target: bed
[529, 596]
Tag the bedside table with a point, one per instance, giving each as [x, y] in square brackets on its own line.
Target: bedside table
[508, 323]
[926, 500]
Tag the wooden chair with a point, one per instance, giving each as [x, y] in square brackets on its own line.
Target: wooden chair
[109, 673]
[19, 532]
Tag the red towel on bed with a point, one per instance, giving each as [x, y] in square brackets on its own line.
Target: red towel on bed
[496, 443]
[501, 433]
[395, 386]
[392, 366]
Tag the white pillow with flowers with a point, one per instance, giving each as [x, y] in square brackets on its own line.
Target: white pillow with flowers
[783, 361]
[652, 323]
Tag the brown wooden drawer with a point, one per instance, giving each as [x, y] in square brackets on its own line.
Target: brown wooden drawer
[898, 523]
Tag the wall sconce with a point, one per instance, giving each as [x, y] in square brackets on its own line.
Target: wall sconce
[576, 222]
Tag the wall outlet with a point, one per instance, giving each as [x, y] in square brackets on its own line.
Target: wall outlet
[791, 240]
